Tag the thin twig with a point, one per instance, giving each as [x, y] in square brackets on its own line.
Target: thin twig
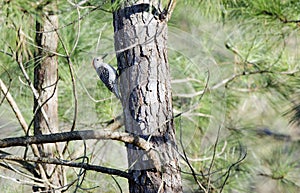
[241, 158]
[88, 93]
[116, 124]
[82, 171]
[184, 156]
[119, 186]
[71, 69]
[213, 159]
[78, 5]
[74, 21]
[233, 77]
[78, 33]
[177, 81]
[99, 37]
[209, 158]
[169, 10]
[46, 50]
[275, 15]
[25, 182]
[34, 91]
[197, 104]
[188, 163]
[17, 113]
[6, 53]
[9, 166]
[13, 106]
[44, 103]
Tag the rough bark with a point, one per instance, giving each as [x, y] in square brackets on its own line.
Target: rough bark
[141, 46]
[45, 82]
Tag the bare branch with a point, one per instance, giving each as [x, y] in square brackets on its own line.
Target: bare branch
[73, 136]
[46, 50]
[213, 160]
[209, 158]
[25, 182]
[84, 135]
[176, 81]
[18, 113]
[116, 123]
[76, 20]
[169, 10]
[78, 32]
[198, 103]
[88, 93]
[119, 186]
[227, 174]
[226, 81]
[281, 18]
[21, 173]
[14, 106]
[184, 157]
[99, 37]
[34, 91]
[68, 163]
[6, 53]
[29, 167]
[71, 68]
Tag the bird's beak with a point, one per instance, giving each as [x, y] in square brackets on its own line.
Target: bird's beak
[104, 56]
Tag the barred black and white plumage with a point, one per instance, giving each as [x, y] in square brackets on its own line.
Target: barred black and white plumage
[107, 74]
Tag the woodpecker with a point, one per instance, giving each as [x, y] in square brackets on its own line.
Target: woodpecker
[107, 74]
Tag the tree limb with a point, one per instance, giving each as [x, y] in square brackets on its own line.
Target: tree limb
[226, 81]
[75, 135]
[17, 112]
[84, 135]
[13, 105]
[68, 163]
[6, 53]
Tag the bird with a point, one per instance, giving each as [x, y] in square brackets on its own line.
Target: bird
[107, 74]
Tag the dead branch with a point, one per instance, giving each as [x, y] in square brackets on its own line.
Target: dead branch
[13, 105]
[167, 13]
[68, 163]
[6, 53]
[78, 32]
[226, 81]
[115, 123]
[20, 181]
[73, 136]
[184, 157]
[213, 160]
[84, 135]
[34, 91]
[241, 158]
[21, 120]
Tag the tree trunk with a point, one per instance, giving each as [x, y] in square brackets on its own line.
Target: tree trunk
[141, 46]
[45, 82]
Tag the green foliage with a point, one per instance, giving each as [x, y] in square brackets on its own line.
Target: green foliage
[255, 46]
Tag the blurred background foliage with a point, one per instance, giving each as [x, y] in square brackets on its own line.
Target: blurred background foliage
[235, 76]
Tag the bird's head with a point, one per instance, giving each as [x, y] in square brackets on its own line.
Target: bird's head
[97, 62]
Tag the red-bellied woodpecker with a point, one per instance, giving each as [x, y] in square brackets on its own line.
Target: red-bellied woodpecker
[107, 74]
